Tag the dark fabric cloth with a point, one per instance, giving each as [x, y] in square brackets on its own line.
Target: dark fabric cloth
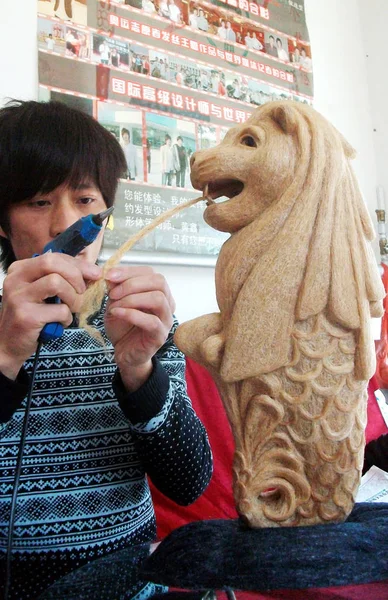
[148, 400]
[12, 394]
[105, 579]
[225, 554]
[376, 453]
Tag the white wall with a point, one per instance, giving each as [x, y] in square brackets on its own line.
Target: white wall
[341, 93]
[340, 78]
[374, 24]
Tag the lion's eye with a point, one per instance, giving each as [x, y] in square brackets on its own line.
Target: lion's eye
[248, 140]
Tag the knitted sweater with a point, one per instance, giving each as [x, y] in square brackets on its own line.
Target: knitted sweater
[83, 490]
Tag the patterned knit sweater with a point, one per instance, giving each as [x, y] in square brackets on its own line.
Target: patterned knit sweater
[83, 491]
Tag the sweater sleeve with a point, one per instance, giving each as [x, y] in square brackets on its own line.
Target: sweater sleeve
[171, 441]
[12, 394]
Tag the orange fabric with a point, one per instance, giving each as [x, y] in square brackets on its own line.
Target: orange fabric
[375, 425]
[217, 500]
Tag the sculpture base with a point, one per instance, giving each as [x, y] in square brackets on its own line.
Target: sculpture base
[225, 554]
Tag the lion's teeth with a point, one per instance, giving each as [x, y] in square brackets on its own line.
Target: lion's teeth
[209, 199]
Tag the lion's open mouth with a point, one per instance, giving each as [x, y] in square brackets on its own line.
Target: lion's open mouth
[224, 187]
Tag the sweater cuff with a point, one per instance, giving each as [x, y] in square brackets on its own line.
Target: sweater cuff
[13, 394]
[148, 400]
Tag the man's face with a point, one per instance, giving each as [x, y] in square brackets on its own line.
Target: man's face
[34, 223]
[125, 138]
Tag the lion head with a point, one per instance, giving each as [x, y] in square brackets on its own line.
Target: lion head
[300, 236]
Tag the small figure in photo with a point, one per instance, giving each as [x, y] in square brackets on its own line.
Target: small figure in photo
[202, 23]
[168, 162]
[282, 54]
[270, 46]
[221, 31]
[130, 154]
[50, 42]
[193, 19]
[104, 51]
[230, 34]
[181, 162]
[305, 61]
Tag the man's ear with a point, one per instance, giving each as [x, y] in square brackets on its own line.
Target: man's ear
[3, 234]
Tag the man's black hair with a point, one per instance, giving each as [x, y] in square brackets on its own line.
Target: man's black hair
[46, 144]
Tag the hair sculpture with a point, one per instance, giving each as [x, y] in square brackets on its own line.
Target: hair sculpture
[296, 283]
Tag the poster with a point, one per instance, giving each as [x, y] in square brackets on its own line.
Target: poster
[167, 78]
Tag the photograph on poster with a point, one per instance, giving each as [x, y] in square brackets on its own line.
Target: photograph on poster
[139, 60]
[169, 9]
[236, 86]
[171, 143]
[277, 46]
[259, 93]
[77, 43]
[159, 65]
[207, 136]
[170, 77]
[126, 122]
[111, 52]
[300, 54]
[254, 39]
[67, 10]
[51, 36]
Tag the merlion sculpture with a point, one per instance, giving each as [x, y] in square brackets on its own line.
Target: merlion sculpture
[296, 284]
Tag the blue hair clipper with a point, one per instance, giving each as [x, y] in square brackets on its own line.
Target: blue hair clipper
[72, 241]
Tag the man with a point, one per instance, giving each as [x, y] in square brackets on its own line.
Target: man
[230, 34]
[97, 423]
[50, 42]
[255, 43]
[270, 47]
[282, 54]
[221, 31]
[295, 56]
[180, 161]
[305, 61]
[130, 154]
[174, 12]
[104, 51]
[193, 18]
[167, 159]
[202, 23]
[248, 40]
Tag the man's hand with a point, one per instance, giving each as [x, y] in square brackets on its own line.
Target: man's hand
[24, 312]
[138, 320]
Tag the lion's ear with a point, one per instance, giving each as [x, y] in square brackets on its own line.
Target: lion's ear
[286, 118]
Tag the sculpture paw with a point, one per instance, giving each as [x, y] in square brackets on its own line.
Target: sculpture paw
[212, 350]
